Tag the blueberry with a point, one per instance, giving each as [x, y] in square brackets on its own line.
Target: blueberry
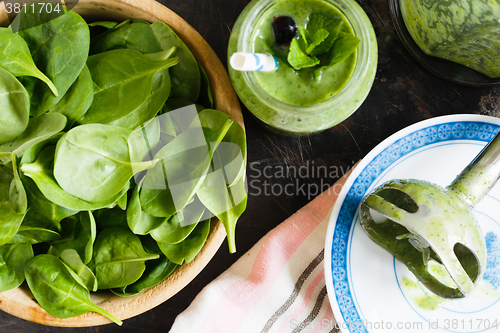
[284, 29]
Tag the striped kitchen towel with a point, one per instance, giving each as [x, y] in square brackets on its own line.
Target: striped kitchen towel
[277, 286]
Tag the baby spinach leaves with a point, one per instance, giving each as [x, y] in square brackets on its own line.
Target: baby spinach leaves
[186, 250]
[39, 129]
[108, 218]
[127, 35]
[223, 189]
[123, 81]
[78, 99]
[38, 165]
[59, 48]
[156, 271]
[43, 207]
[224, 201]
[108, 194]
[100, 27]
[80, 238]
[150, 108]
[14, 103]
[179, 226]
[119, 258]
[56, 289]
[186, 77]
[15, 56]
[36, 229]
[72, 259]
[172, 182]
[13, 202]
[92, 162]
[139, 222]
[13, 259]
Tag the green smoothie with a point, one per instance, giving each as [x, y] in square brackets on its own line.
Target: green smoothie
[304, 86]
[311, 90]
[463, 31]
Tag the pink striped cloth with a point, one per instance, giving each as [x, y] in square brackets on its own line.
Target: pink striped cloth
[278, 286]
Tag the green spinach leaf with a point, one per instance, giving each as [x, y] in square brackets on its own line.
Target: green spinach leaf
[37, 164]
[15, 57]
[175, 103]
[14, 204]
[13, 259]
[156, 271]
[35, 229]
[78, 99]
[59, 48]
[92, 162]
[179, 227]
[150, 108]
[139, 222]
[44, 207]
[39, 129]
[206, 97]
[119, 258]
[215, 126]
[234, 152]
[143, 141]
[99, 28]
[73, 260]
[82, 238]
[123, 82]
[14, 103]
[57, 291]
[224, 201]
[187, 250]
[173, 181]
[186, 77]
[128, 35]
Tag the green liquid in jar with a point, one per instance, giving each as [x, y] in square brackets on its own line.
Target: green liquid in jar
[300, 87]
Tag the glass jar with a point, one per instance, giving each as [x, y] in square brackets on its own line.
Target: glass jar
[311, 118]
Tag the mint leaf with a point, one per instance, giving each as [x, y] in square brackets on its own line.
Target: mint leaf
[343, 47]
[318, 22]
[297, 56]
[318, 38]
[321, 37]
[304, 34]
[311, 40]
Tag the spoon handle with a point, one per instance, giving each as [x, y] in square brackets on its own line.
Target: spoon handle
[477, 179]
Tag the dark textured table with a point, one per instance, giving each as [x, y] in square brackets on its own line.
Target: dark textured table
[403, 94]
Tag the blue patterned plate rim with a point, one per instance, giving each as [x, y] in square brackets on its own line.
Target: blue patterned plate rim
[424, 133]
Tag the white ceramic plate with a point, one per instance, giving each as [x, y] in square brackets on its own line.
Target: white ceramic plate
[369, 290]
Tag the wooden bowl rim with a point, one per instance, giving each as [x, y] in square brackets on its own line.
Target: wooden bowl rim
[19, 301]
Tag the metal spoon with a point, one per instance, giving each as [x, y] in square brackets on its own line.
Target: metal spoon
[418, 221]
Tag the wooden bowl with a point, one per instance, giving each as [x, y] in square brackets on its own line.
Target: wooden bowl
[20, 302]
